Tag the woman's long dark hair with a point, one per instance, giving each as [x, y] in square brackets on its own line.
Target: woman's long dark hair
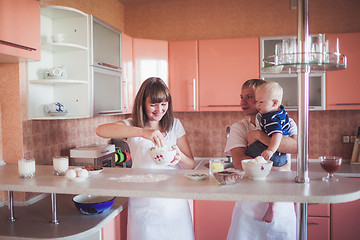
[156, 89]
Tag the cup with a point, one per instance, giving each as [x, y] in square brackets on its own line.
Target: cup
[289, 50]
[60, 165]
[58, 37]
[26, 168]
[215, 165]
[316, 43]
[279, 57]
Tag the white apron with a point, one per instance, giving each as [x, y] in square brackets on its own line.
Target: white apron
[157, 218]
[246, 223]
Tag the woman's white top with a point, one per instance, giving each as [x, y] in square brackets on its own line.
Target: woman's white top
[246, 222]
[157, 218]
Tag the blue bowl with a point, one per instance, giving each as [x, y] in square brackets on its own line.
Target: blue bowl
[93, 205]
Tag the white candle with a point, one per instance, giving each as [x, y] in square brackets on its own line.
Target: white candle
[61, 165]
[26, 168]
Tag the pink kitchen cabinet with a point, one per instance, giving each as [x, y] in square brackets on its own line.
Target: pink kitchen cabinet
[318, 221]
[345, 218]
[150, 59]
[183, 75]
[342, 87]
[212, 219]
[116, 229]
[127, 73]
[224, 65]
[318, 228]
[19, 30]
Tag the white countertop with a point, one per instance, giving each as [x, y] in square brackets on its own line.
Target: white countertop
[33, 221]
[346, 169]
[278, 186]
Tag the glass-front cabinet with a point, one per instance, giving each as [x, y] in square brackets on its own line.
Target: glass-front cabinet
[317, 93]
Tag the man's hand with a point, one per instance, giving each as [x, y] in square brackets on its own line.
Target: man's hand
[254, 135]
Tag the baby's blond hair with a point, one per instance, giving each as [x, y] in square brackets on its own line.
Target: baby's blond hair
[272, 89]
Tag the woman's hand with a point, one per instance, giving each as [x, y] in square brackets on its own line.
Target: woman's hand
[177, 157]
[154, 135]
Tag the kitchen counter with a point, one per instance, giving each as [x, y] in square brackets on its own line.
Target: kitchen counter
[278, 186]
[346, 169]
[33, 222]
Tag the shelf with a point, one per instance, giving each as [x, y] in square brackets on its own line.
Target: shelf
[58, 81]
[60, 12]
[62, 46]
[315, 62]
[58, 117]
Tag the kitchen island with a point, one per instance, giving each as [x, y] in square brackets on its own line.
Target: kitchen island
[278, 186]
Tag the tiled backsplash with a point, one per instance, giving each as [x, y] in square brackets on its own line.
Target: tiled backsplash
[206, 133]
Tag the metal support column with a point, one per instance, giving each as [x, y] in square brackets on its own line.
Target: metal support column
[54, 219]
[303, 113]
[11, 206]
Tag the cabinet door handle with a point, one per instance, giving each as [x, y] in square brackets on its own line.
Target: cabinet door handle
[110, 112]
[194, 93]
[344, 104]
[17, 46]
[313, 223]
[223, 105]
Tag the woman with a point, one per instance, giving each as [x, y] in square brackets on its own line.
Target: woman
[247, 217]
[153, 124]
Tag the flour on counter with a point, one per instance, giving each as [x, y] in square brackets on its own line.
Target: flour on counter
[141, 178]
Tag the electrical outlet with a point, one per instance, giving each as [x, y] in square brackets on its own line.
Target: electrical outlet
[352, 139]
[346, 139]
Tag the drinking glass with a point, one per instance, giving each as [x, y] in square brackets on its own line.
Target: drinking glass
[60, 165]
[26, 168]
[330, 164]
[216, 165]
[289, 50]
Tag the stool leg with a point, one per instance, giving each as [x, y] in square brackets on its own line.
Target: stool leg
[11, 206]
[54, 219]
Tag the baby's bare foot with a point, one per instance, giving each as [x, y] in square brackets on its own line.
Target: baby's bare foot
[269, 215]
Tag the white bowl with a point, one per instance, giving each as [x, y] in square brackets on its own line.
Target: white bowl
[161, 156]
[197, 176]
[256, 171]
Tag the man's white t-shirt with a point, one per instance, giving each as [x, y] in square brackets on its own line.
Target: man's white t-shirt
[240, 130]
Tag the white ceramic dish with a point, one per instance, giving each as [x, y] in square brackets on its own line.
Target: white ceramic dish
[256, 171]
[161, 156]
[197, 176]
[94, 172]
[94, 169]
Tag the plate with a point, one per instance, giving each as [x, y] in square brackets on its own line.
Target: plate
[196, 176]
[94, 169]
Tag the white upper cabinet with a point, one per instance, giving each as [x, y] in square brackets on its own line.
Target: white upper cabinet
[289, 80]
[105, 69]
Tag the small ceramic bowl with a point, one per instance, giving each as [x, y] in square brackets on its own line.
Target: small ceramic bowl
[256, 171]
[93, 205]
[163, 156]
[197, 176]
